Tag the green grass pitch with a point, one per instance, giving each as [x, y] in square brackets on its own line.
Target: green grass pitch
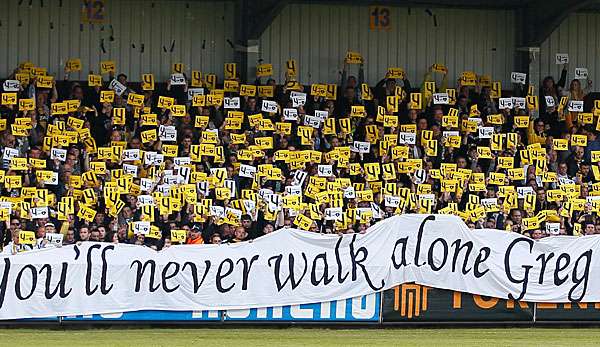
[246, 337]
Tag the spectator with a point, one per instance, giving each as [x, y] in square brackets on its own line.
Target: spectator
[69, 238]
[84, 234]
[195, 237]
[215, 239]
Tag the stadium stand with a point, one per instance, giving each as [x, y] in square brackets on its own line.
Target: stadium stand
[197, 161]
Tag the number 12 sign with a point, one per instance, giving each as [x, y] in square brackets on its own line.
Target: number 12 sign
[93, 11]
[379, 18]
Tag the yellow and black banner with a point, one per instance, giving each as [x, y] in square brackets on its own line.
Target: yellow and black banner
[416, 303]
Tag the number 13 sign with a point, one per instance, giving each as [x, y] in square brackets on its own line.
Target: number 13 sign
[379, 18]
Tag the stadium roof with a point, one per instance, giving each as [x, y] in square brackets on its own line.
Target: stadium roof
[507, 4]
[536, 19]
[586, 5]
[498, 4]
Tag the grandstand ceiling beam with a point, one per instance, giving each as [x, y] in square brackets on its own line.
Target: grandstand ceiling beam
[535, 22]
[262, 15]
[541, 17]
[252, 19]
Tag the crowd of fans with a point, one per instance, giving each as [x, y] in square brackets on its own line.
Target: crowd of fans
[197, 161]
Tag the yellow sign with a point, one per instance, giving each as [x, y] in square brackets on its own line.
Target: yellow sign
[107, 66]
[44, 81]
[107, 96]
[26, 104]
[496, 90]
[73, 65]
[230, 71]
[165, 102]
[148, 81]
[247, 90]
[177, 68]
[178, 235]
[27, 237]
[441, 68]
[291, 68]
[264, 70]
[9, 98]
[135, 100]
[468, 78]
[95, 80]
[196, 80]
[266, 91]
[353, 58]
[395, 72]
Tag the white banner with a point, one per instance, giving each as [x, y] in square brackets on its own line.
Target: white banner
[290, 267]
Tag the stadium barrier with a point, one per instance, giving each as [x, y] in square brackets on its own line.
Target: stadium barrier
[362, 309]
[405, 304]
[413, 303]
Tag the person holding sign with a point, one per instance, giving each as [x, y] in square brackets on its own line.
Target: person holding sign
[351, 81]
[15, 245]
[552, 89]
[575, 96]
[388, 87]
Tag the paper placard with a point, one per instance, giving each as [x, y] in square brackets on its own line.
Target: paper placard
[54, 239]
[522, 191]
[334, 213]
[405, 138]
[391, 201]
[117, 86]
[9, 153]
[505, 103]
[293, 190]
[269, 106]
[441, 99]
[39, 212]
[518, 77]
[321, 114]
[247, 171]
[193, 92]
[290, 114]
[485, 132]
[519, 103]
[231, 103]
[312, 121]
[553, 228]
[581, 73]
[325, 170]
[11, 85]
[141, 227]
[562, 58]
[360, 147]
[131, 155]
[167, 133]
[52, 179]
[178, 79]
[58, 153]
[298, 98]
[575, 106]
